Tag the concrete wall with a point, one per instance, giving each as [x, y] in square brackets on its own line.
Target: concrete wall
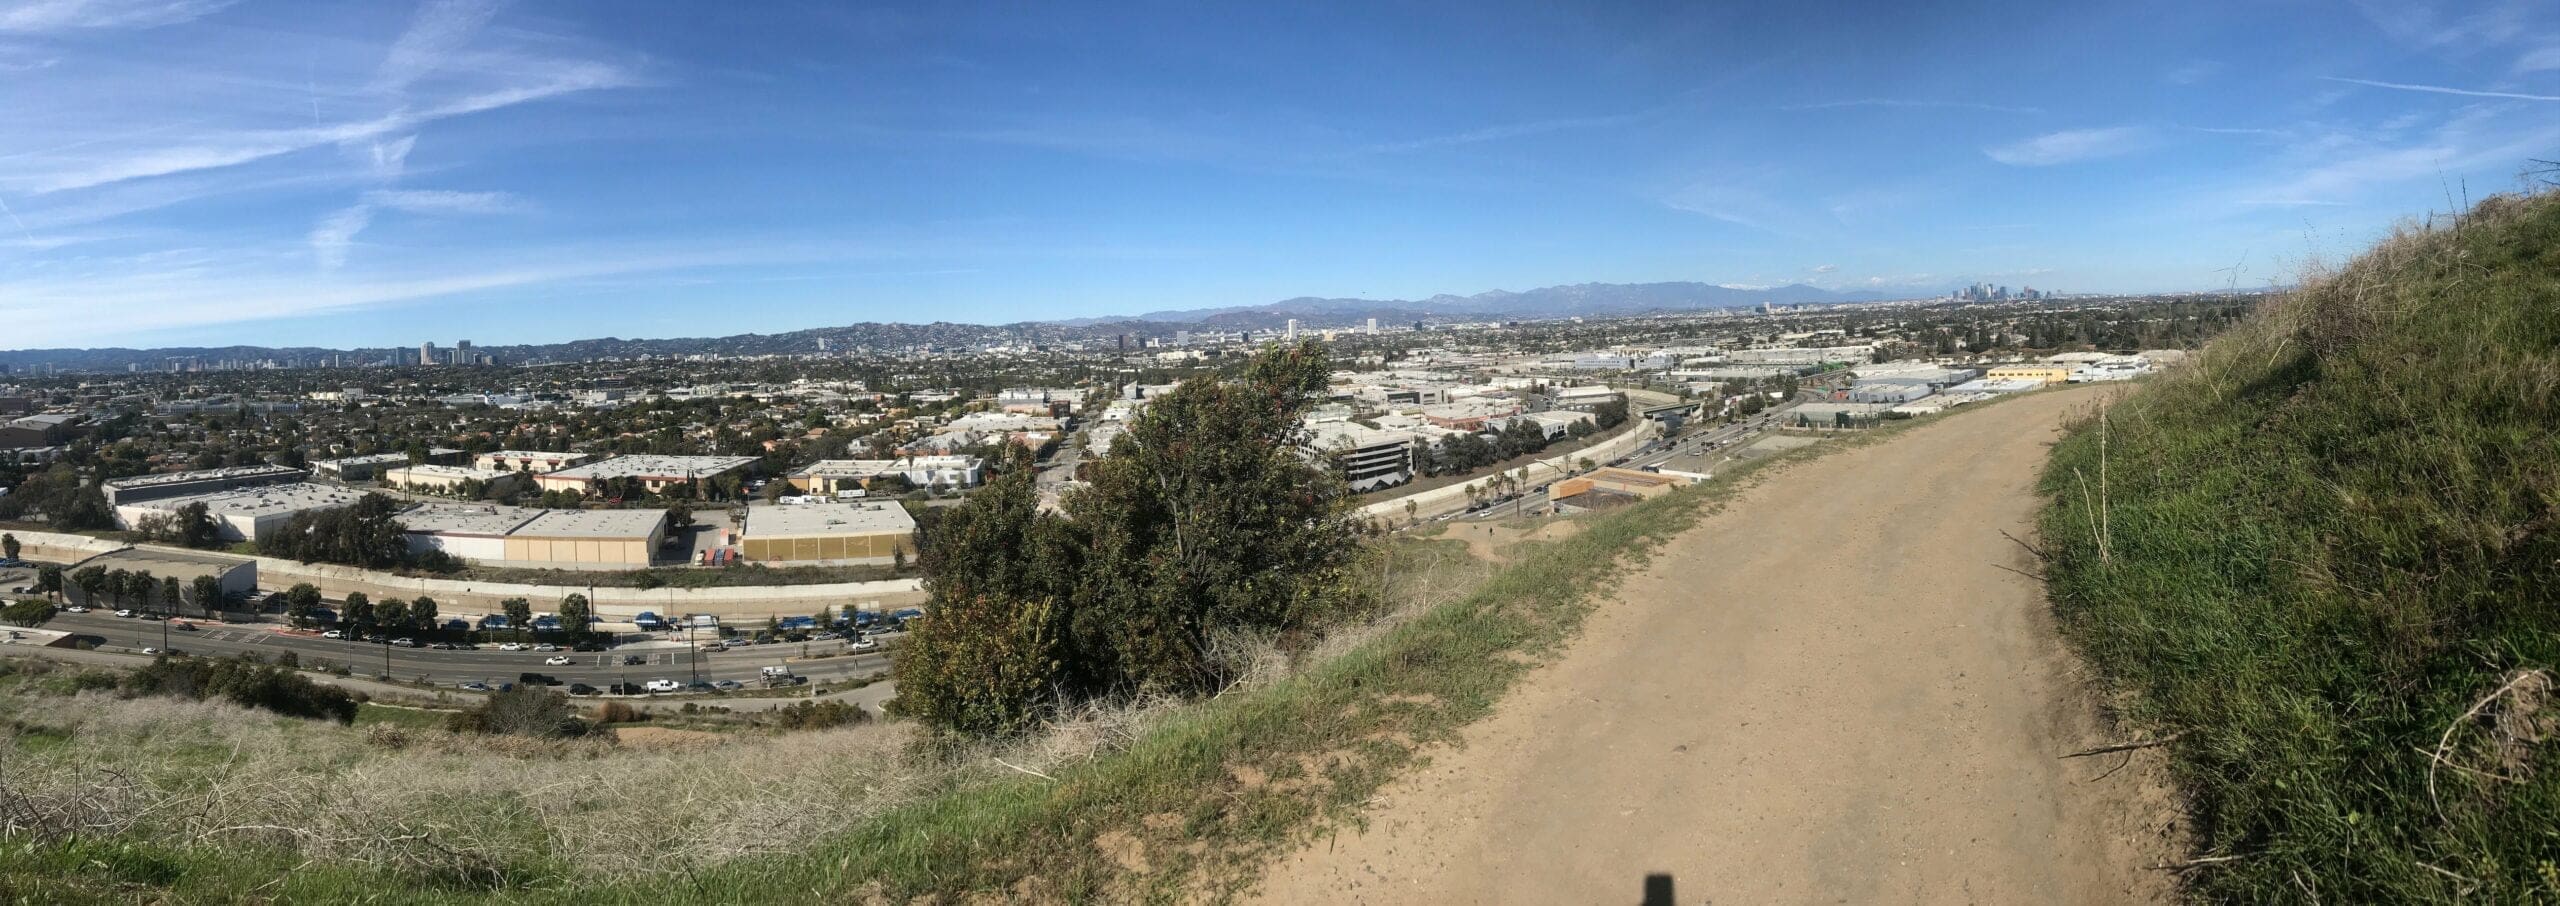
[472, 599]
[54, 547]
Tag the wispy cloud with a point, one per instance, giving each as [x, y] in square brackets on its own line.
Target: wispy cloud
[2073, 145]
[440, 29]
[1507, 131]
[2440, 89]
[437, 201]
[336, 232]
[44, 16]
[2540, 59]
[1902, 103]
[2194, 73]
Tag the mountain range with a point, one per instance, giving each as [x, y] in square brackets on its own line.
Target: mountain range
[1577, 300]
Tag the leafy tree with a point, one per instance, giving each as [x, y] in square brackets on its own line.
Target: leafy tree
[991, 661]
[1610, 414]
[575, 614]
[92, 582]
[357, 614]
[422, 613]
[8, 547]
[519, 614]
[171, 593]
[208, 593]
[49, 580]
[392, 614]
[120, 585]
[303, 600]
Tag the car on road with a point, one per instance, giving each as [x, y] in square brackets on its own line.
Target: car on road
[151, 651]
[75, 608]
[588, 646]
[546, 646]
[511, 646]
[662, 685]
[728, 685]
[182, 624]
[475, 687]
[405, 643]
[125, 613]
[865, 643]
[333, 634]
[557, 660]
[634, 660]
[537, 679]
[581, 689]
[441, 646]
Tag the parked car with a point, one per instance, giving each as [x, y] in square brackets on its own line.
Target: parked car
[581, 689]
[151, 651]
[623, 689]
[441, 646]
[546, 646]
[537, 679]
[125, 613]
[663, 685]
[75, 608]
[588, 646]
[405, 643]
[475, 687]
[511, 646]
[865, 643]
[728, 685]
[334, 634]
[634, 660]
[557, 660]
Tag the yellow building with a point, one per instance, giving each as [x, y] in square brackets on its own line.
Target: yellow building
[599, 537]
[2049, 374]
[873, 531]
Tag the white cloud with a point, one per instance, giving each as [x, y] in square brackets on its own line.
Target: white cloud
[42, 16]
[2540, 59]
[330, 239]
[1825, 268]
[2072, 145]
[440, 30]
[438, 201]
[2440, 89]
[391, 156]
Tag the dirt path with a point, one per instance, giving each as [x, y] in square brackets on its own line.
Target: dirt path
[1829, 692]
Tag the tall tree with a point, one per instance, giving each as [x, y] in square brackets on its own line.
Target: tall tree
[519, 614]
[8, 547]
[422, 613]
[575, 614]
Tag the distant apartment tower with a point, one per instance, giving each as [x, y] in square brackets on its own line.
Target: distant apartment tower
[462, 353]
[1293, 330]
[1182, 338]
[1373, 325]
[427, 353]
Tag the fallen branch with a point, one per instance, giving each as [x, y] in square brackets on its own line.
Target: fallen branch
[2444, 744]
[1026, 770]
[2021, 572]
[2199, 862]
[2032, 549]
[2128, 746]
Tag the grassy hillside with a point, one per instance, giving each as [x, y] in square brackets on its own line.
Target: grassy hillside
[2325, 553]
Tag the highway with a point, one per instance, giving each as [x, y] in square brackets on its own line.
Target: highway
[661, 660]
[1534, 500]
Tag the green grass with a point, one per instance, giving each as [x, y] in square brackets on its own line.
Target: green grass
[368, 714]
[2322, 542]
[1321, 740]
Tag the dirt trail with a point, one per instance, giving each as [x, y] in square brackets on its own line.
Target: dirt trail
[1832, 691]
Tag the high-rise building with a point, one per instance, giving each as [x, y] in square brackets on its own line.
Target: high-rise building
[462, 353]
[1182, 338]
[427, 353]
[1373, 325]
[1293, 330]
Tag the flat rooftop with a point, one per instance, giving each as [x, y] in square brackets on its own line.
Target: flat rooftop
[166, 562]
[227, 474]
[457, 472]
[488, 520]
[651, 466]
[373, 460]
[841, 467]
[804, 520]
[270, 500]
[592, 524]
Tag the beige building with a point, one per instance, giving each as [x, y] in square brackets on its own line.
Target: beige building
[434, 479]
[867, 531]
[533, 461]
[2049, 374]
[653, 472]
[535, 537]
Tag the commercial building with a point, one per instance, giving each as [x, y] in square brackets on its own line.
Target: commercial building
[205, 481]
[435, 479]
[2042, 374]
[652, 472]
[1369, 458]
[359, 468]
[829, 476]
[1835, 415]
[244, 514]
[1610, 486]
[533, 461]
[237, 576]
[476, 532]
[46, 430]
[870, 531]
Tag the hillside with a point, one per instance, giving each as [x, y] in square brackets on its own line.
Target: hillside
[2324, 553]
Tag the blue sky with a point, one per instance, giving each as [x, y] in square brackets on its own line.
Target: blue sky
[200, 171]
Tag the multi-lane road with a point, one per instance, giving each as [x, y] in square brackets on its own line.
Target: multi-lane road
[659, 659]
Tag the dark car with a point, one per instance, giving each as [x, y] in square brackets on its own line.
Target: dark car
[581, 689]
[634, 660]
[588, 646]
[537, 679]
[624, 689]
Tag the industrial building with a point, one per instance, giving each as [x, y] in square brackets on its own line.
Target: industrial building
[653, 472]
[359, 468]
[244, 514]
[434, 479]
[537, 537]
[1835, 415]
[1608, 487]
[238, 576]
[528, 460]
[872, 531]
[206, 481]
[2042, 374]
[1369, 458]
[829, 476]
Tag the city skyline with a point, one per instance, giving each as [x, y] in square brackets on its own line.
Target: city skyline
[207, 173]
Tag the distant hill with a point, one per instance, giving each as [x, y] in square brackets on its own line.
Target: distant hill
[1578, 300]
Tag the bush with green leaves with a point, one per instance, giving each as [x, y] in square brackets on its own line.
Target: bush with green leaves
[245, 682]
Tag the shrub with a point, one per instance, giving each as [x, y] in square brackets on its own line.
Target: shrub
[243, 682]
[522, 711]
[620, 713]
[809, 715]
[30, 612]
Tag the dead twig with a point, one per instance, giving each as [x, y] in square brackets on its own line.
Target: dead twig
[2128, 746]
[2021, 572]
[2198, 862]
[2444, 743]
[1026, 770]
[2032, 549]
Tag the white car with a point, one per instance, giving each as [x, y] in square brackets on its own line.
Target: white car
[124, 613]
[511, 646]
[663, 685]
[75, 608]
[557, 660]
[151, 651]
[333, 634]
[546, 646]
[865, 643]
